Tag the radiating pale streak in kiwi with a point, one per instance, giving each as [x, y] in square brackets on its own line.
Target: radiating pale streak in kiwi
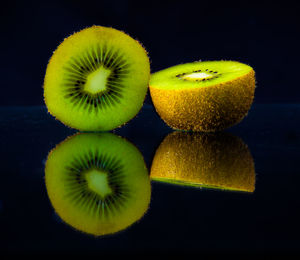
[216, 161]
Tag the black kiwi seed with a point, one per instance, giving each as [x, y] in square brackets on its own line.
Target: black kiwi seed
[80, 67]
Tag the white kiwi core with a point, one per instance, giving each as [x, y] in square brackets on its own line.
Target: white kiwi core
[98, 182]
[197, 76]
[96, 81]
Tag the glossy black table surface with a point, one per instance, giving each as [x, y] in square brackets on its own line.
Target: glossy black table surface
[180, 219]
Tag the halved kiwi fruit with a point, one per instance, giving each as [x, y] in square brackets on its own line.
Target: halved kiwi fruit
[203, 96]
[97, 183]
[209, 160]
[97, 79]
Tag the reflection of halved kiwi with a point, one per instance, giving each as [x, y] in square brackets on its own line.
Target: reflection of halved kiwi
[219, 160]
[97, 79]
[97, 183]
[203, 96]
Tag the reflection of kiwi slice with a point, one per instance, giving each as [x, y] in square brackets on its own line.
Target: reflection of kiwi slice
[203, 96]
[217, 160]
[97, 79]
[97, 183]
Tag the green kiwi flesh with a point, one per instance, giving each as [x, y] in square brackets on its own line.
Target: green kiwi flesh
[97, 79]
[97, 183]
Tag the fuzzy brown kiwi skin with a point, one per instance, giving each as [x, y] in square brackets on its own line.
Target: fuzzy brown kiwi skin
[206, 109]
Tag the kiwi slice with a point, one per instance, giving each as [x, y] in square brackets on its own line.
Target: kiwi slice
[203, 96]
[97, 79]
[209, 160]
[97, 183]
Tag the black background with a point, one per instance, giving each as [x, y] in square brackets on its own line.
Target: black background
[264, 35]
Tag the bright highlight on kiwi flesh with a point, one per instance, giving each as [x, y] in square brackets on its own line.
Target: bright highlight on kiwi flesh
[209, 160]
[97, 183]
[97, 79]
[203, 96]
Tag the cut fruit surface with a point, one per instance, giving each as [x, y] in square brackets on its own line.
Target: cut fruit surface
[97, 79]
[198, 74]
[97, 183]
